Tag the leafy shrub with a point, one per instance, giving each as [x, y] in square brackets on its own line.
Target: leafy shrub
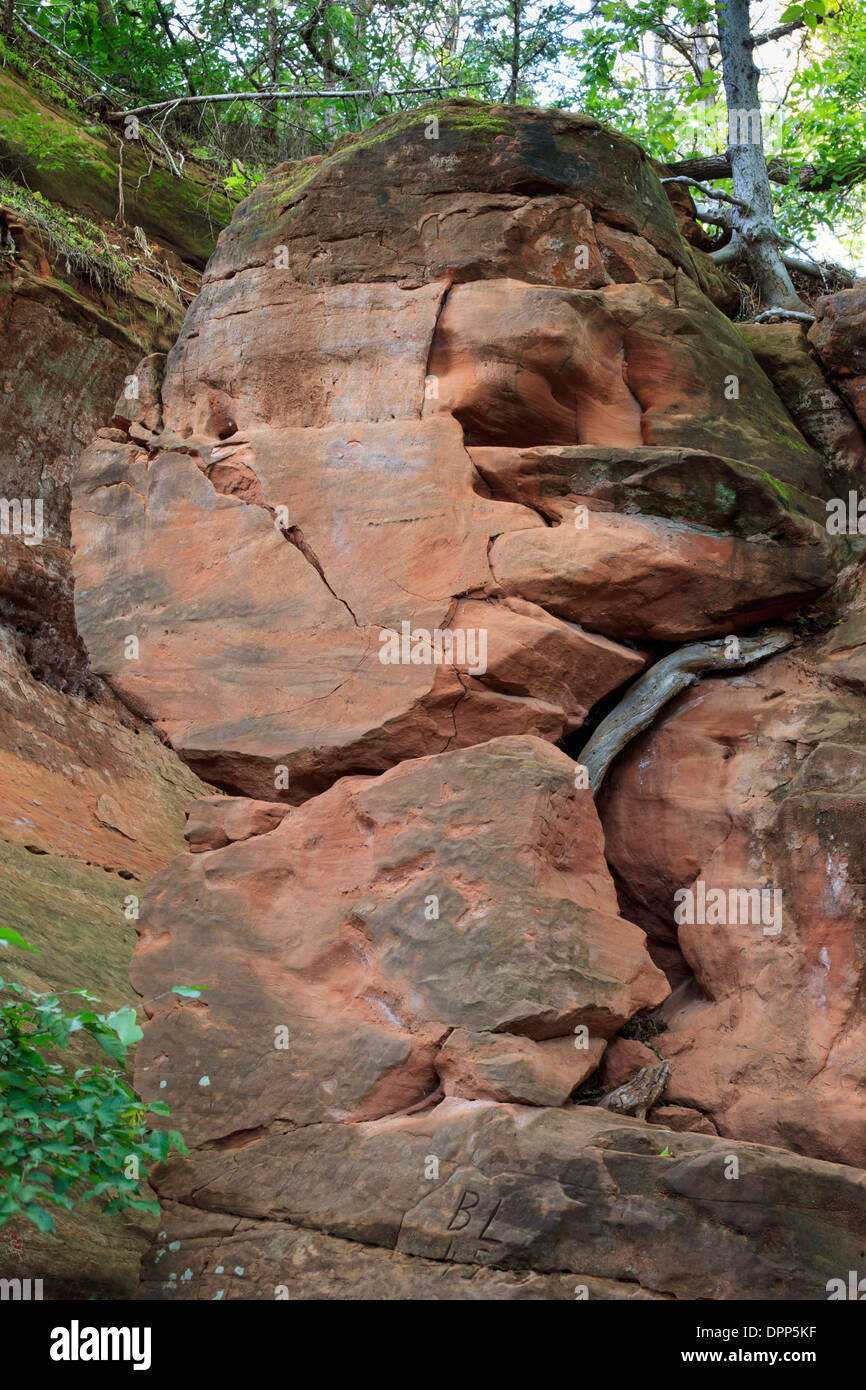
[69, 1133]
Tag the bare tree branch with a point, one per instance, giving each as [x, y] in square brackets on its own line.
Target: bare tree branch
[780, 31]
[295, 94]
[707, 192]
[714, 216]
[806, 176]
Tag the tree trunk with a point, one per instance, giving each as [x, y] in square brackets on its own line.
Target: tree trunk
[269, 108]
[511, 94]
[8, 16]
[106, 13]
[755, 223]
[453, 30]
[661, 81]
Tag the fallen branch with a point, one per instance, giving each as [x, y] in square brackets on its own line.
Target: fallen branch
[67, 57]
[669, 677]
[291, 94]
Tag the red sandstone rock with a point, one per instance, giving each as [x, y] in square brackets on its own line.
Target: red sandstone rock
[413, 363]
[627, 365]
[496, 1066]
[221, 820]
[470, 1184]
[820, 411]
[466, 891]
[839, 337]
[291, 515]
[689, 584]
[267, 654]
[758, 781]
[680, 1118]
[624, 1058]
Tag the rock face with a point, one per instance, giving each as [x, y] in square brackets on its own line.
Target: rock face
[557, 1198]
[91, 802]
[819, 409]
[463, 892]
[839, 337]
[404, 309]
[390, 969]
[91, 806]
[756, 784]
[452, 446]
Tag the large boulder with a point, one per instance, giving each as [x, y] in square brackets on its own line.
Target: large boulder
[451, 440]
[376, 1082]
[457, 281]
[461, 892]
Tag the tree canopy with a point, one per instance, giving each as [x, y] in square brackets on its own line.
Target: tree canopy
[243, 83]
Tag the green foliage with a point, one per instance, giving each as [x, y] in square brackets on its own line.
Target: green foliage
[240, 180]
[813, 87]
[70, 1133]
[650, 68]
[45, 147]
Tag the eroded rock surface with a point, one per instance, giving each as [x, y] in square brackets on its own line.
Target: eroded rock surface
[473, 385]
[550, 1192]
[756, 783]
[462, 892]
[401, 308]
[91, 806]
[839, 337]
[351, 1072]
[91, 802]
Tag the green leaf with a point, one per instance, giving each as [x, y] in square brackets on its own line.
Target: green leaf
[10, 937]
[124, 1024]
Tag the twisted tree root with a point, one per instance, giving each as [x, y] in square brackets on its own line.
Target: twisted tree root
[673, 674]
